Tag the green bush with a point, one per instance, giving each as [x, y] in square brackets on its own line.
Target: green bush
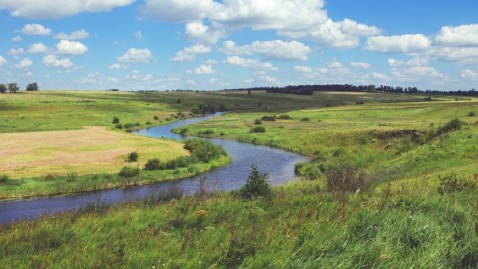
[116, 120]
[471, 114]
[257, 122]
[152, 165]
[133, 157]
[305, 119]
[127, 171]
[256, 184]
[239, 249]
[284, 117]
[268, 118]
[119, 126]
[258, 129]
[4, 179]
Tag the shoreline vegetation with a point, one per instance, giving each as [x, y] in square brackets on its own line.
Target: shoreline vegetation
[392, 183]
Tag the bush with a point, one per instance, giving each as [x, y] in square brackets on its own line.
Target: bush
[268, 118]
[208, 132]
[451, 184]
[183, 131]
[32, 87]
[471, 114]
[133, 157]
[256, 184]
[238, 251]
[284, 117]
[4, 179]
[116, 120]
[127, 171]
[348, 179]
[119, 126]
[156, 118]
[258, 129]
[452, 125]
[257, 122]
[3, 88]
[305, 119]
[152, 165]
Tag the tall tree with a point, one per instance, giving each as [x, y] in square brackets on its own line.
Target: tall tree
[32, 87]
[3, 88]
[13, 87]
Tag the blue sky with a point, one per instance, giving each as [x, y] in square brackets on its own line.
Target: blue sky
[211, 45]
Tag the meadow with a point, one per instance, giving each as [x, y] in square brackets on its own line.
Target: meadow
[392, 184]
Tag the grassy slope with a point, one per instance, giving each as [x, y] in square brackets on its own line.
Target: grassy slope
[402, 225]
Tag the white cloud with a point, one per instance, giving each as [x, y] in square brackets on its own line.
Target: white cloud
[77, 35]
[204, 69]
[398, 43]
[112, 80]
[276, 49]
[179, 10]
[3, 61]
[53, 61]
[117, 66]
[302, 69]
[360, 65]
[16, 52]
[249, 63]
[136, 75]
[378, 76]
[463, 35]
[71, 47]
[469, 74]
[189, 53]
[38, 48]
[50, 9]
[25, 63]
[455, 54]
[17, 39]
[394, 62]
[35, 29]
[204, 34]
[134, 55]
[263, 76]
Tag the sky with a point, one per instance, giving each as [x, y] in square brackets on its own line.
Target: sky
[213, 45]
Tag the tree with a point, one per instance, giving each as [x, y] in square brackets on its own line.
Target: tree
[256, 184]
[32, 87]
[13, 87]
[3, 88]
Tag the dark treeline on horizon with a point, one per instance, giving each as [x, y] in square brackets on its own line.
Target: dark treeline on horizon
[310, 89]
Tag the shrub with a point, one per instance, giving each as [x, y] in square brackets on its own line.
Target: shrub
[119, 126]
[178, 101]
[305, 119]
[152, 165]
[208, 132]
[451, 184]
[257, 122]
[238, 251]
[471, 114]
[156, 118]
[133, 157]
[268, 118]
[178, 162]
[256, 184]
[452, 125]
[116, 120]
[359, 102]
[258, 129]
[348, 179]
[148, 123]
[127, 171]
[4, 179]
[183, 131]
[284, 117]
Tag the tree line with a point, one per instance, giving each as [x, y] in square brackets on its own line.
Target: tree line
[310, 89]
[14, 88]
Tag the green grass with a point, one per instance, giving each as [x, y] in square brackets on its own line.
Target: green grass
[420, 210]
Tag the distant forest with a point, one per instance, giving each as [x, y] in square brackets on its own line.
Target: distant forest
[310, 89]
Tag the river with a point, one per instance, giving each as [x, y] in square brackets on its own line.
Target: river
[278, 163]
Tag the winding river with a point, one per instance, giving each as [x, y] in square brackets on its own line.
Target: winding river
[278, 163]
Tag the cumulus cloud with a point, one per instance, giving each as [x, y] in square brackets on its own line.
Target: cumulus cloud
[469, 74]
[204, 69]
[190, 53]
[249, 63]
[302, 69]
[464, 55]
[276, 49]
[16, 52]
[360, 65]
[378, 76]
[3, 61]
[398, 43]
[71, 47]
[291, 18]
[55, 62]
[134, 55]
[263, 76]
[17, 39]
[463, 35]
[50, 9]
[117, 66]
[38, 48]
[35, 29]
[25, 63]
[77, 35]
[136, 75]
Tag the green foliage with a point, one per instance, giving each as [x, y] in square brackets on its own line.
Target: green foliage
[119, 126]
[452, 125]
[128, 171]
[284, 117]
[208, 132]
[258, 129]
[3, 88]
[13, 87]
[471, 114]
[310, 171]
[305, 119]
[257, 184]
[451, 184]
[133, 157]
[4, 179]
[32, 87]
[116, 120]
[257, 122]
[183, 131]
[347, 179]
[268, 118]
[239, 249]
[152, 165]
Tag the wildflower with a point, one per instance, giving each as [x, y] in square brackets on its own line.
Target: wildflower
[202, 213]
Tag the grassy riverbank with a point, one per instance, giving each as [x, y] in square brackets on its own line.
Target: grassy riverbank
[393, 184]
